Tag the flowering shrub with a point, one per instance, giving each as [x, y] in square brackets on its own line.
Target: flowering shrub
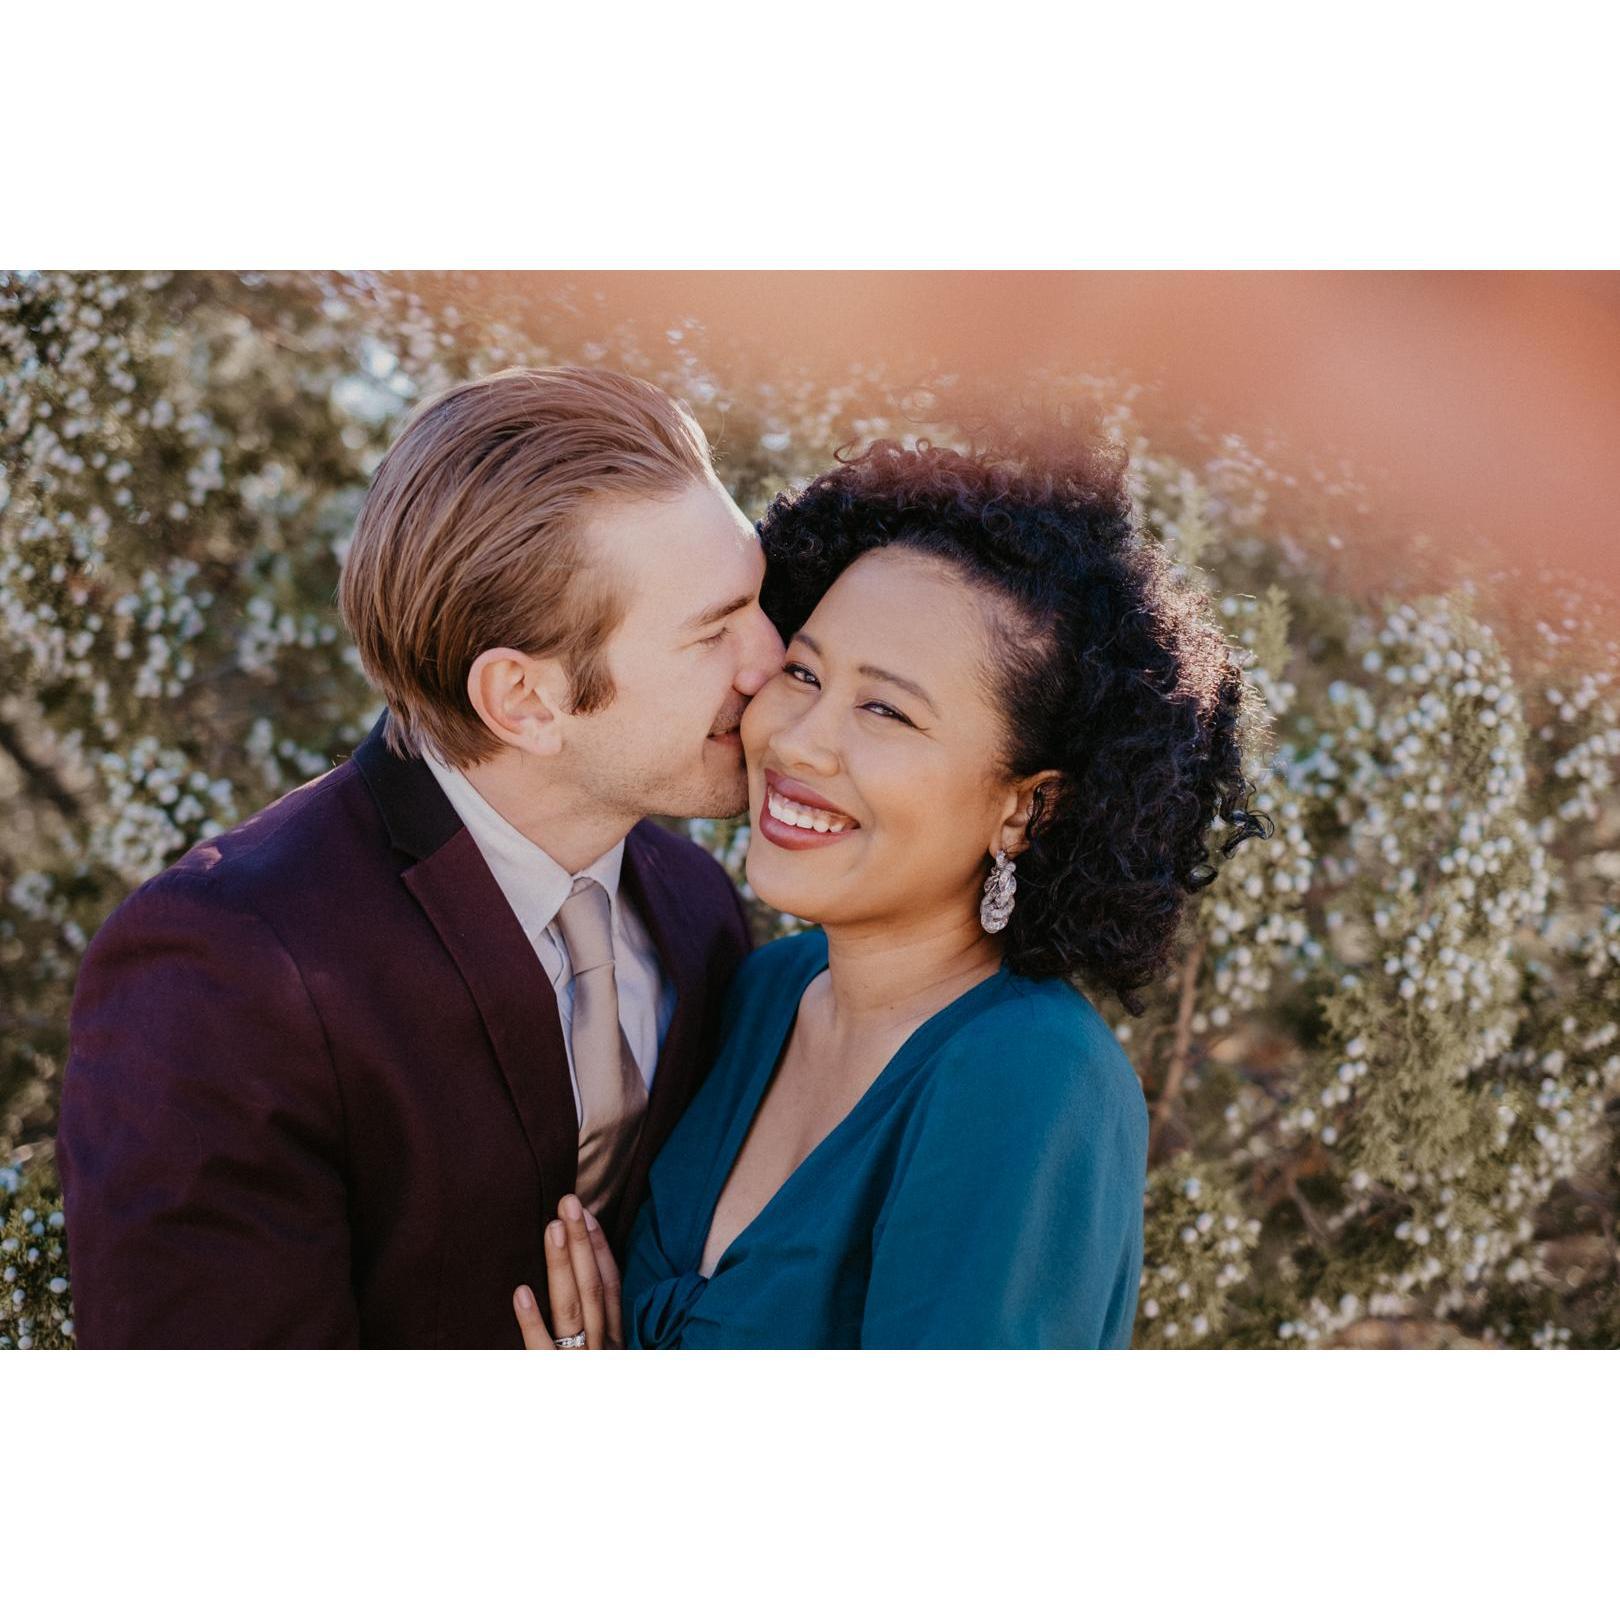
[1385, 1078]
[34, 1302]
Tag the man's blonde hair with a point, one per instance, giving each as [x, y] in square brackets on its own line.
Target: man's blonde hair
[469, 538]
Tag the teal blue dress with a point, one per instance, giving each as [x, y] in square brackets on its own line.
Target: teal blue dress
[985, 1192]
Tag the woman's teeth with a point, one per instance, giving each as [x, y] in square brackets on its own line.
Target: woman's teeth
[801, 815]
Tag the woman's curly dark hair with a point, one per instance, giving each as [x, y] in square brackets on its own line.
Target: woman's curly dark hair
[1106, 668]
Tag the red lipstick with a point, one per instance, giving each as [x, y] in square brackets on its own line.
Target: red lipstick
[790, 788]
[784, 834]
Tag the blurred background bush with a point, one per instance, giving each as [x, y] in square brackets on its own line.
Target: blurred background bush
[1385, 1079]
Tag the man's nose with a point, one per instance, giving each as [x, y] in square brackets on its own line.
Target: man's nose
[763, 658]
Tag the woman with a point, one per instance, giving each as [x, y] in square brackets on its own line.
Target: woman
[987, 768]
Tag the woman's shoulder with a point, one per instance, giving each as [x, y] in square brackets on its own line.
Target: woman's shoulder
[1042, 1047]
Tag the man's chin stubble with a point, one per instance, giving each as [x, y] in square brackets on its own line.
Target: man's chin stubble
[722, 809]
[726, 801]
[712, 802]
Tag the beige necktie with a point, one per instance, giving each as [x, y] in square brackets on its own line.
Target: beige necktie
[612, 1093]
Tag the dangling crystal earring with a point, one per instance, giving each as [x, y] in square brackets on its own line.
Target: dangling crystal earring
[997, 905]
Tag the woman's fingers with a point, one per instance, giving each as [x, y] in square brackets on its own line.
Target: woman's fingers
[586, 1272]
[582, 1280]
[567, 1314]
[610, 1281]
[536, 1335]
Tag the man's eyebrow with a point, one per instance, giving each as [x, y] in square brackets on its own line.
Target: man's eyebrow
[713, 615]
[876, 674]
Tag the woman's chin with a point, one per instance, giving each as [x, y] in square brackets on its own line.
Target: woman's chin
[795, 894]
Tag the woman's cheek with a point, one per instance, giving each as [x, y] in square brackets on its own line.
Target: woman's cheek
[925, 827]
[757, 721]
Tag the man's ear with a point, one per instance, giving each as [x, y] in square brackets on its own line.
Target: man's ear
[519, 698]
[1011, 834]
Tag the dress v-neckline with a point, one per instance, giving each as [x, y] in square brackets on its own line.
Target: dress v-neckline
[754, 1100]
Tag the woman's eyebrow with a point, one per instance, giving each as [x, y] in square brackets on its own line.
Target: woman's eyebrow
[875, 673]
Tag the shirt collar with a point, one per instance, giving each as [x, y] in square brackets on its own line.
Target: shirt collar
[534, 884]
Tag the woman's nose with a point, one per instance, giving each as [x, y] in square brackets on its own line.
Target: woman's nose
[807, 741]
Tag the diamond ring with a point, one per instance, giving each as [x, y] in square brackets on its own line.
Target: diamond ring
[574, 1341]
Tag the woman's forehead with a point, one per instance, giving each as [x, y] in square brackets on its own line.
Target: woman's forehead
[908, 612]
[892, 578]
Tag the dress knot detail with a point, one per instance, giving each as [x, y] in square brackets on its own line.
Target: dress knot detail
[663, 1311]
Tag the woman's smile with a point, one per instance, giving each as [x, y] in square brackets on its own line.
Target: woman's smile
[794, 816]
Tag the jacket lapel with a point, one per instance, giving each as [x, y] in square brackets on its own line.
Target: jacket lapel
[667, 913]
[515, 1000]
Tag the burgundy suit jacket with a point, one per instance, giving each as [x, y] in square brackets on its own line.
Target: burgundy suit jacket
[317, 1093]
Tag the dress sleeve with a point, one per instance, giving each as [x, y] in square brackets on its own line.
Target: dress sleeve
[201, 1141]
[1014, 1219]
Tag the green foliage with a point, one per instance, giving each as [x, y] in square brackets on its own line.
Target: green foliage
[1385, 1108]
[1198, 1240]
[34, 1302]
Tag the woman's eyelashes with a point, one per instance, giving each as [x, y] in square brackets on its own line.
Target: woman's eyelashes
[892, 712]
[885, 710]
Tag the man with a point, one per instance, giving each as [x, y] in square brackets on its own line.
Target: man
[332, 1072]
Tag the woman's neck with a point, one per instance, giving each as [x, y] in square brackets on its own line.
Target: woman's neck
[888, 977]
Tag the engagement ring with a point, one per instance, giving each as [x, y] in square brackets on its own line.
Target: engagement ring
[574, 1341]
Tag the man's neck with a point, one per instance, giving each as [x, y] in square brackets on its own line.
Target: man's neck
[564, 821]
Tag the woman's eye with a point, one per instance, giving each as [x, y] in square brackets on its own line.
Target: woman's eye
[804, 677]
[892, 713]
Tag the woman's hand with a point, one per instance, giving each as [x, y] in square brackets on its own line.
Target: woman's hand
[583, 1283]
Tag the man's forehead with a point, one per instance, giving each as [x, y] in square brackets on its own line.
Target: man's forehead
[684, 559]
[698, 526]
